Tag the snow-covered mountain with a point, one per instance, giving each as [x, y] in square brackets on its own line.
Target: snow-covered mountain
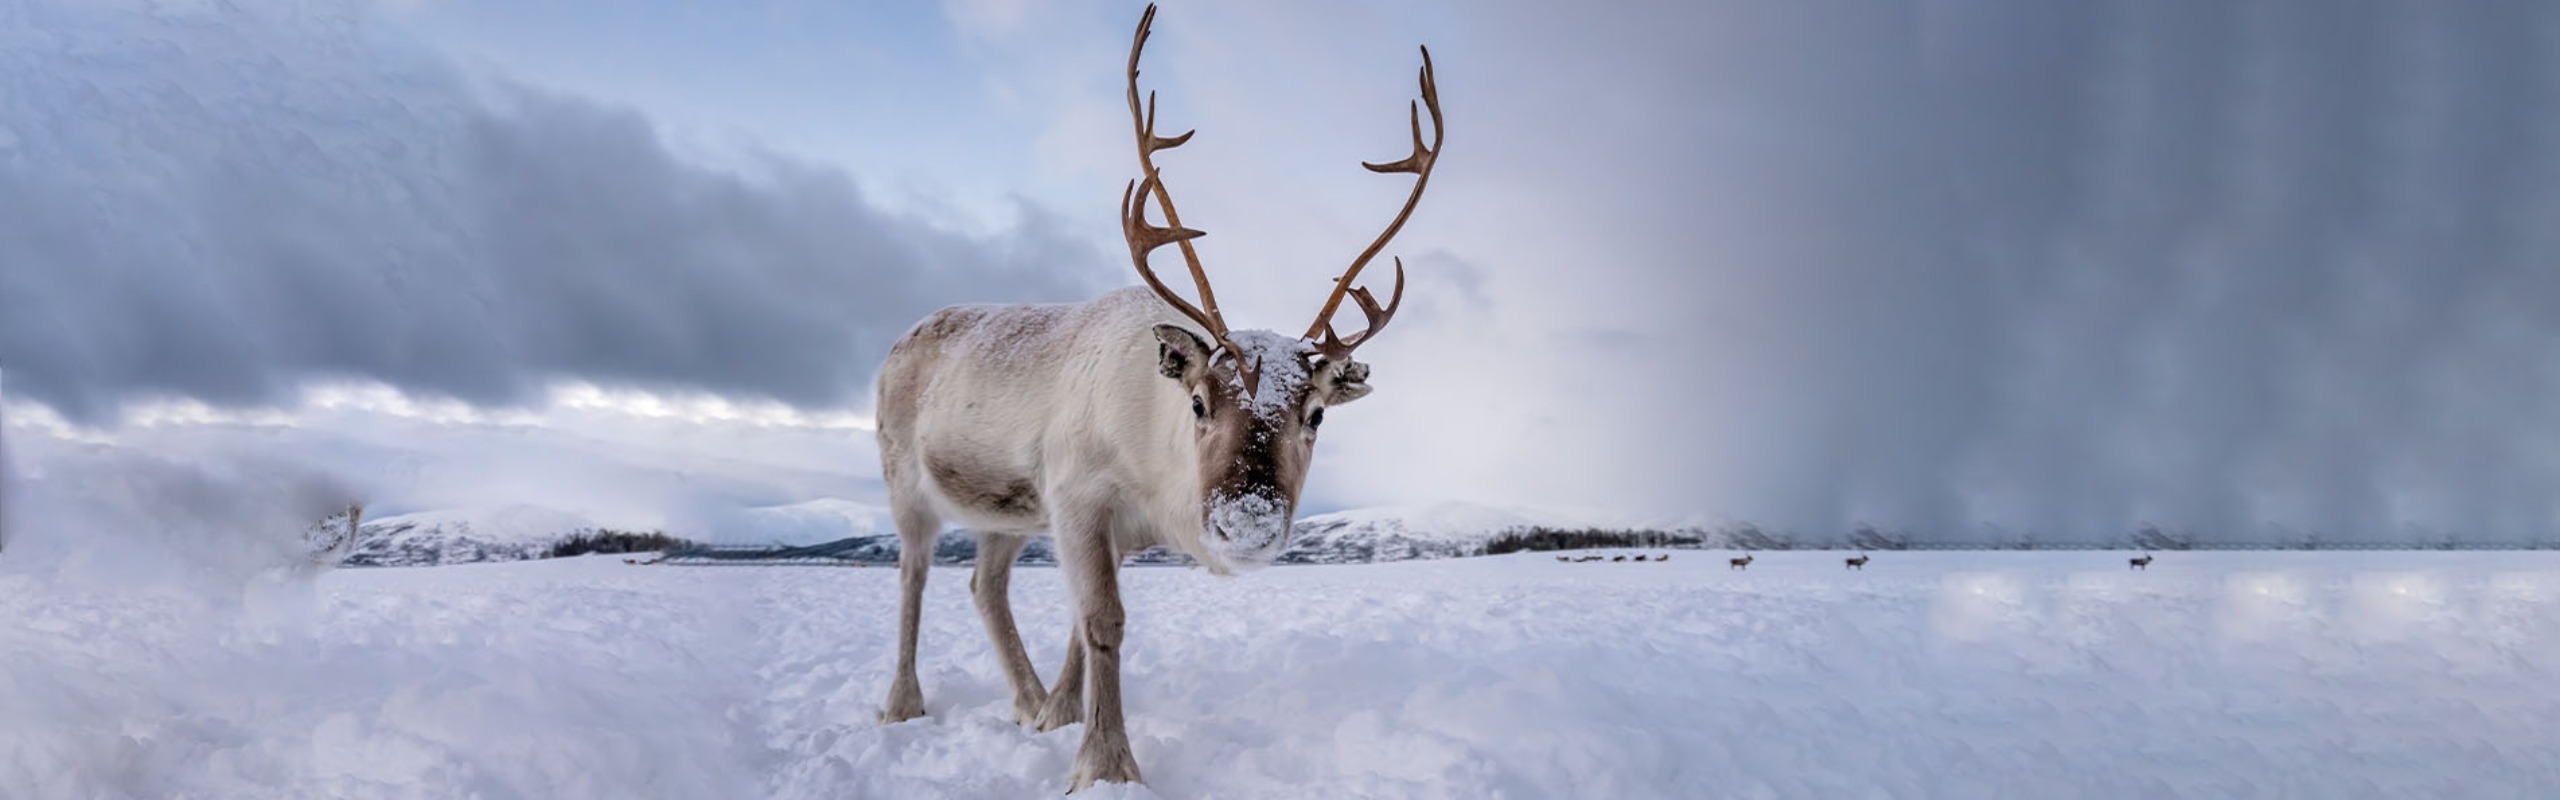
[1446, 530]
[461, 536]
[518, 532]
[1404, 533]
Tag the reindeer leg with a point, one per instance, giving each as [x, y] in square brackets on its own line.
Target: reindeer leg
[916, 530]
[1066, 700]
[1093, 573]
[991, 586]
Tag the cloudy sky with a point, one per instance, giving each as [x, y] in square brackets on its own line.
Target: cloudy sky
[1966, 268]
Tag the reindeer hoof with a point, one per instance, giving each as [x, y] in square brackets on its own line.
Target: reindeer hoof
[1103, 759]
[1026, 711]
[906, 702]
[1062, 710]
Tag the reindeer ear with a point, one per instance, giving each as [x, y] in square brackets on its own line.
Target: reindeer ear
[1350, 382]
[1180, 354]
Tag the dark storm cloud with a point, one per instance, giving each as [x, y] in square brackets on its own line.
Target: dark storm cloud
[223, 204]
[2260, 269]
[2256, 267]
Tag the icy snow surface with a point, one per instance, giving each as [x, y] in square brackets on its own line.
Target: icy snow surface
[2055, 674]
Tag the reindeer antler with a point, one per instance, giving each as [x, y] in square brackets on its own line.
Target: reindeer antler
[1419, 165]
[1145, 237]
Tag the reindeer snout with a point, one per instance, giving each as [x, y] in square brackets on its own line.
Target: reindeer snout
[1246, 530]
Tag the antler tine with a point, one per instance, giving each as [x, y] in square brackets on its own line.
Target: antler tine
[1419, 164]
[1152, 142]
[1145, 236]
[1334, 348]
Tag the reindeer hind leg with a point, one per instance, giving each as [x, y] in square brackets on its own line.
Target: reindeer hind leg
[991, 586]
[917, 528]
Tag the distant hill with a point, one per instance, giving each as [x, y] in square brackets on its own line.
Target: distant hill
[462, 536]
[842, 531]
[845, 531]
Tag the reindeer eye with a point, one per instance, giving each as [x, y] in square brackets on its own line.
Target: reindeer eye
[1315, 419]
[1199, 409]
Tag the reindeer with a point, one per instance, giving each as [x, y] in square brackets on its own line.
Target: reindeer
[1618, 558]
[1859, 563]
[1662, 558]
[1640, 557]
[1563, 559]
[2143, 563]
[1131, 420]
[1740, 563]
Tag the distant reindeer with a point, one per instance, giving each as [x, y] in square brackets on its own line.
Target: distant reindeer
[1618, 558]
[1740, 563]
[1562, 559]
[1640, 558]
[2143, 563]
[1859, 563]
[1663, 557]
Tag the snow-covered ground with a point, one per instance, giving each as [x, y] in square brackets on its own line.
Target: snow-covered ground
[1974, 674]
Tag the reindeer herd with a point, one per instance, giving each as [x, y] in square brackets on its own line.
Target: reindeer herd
[1618, 557]
[1858, 562]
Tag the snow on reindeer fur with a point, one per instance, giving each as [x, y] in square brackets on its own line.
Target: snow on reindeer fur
[1281, 363]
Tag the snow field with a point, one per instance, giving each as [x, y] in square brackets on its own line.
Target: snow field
[1959, 674]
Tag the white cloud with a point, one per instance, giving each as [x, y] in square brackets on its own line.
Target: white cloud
[620, 457]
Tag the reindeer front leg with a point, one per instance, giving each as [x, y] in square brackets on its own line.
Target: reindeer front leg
[1093, 574]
